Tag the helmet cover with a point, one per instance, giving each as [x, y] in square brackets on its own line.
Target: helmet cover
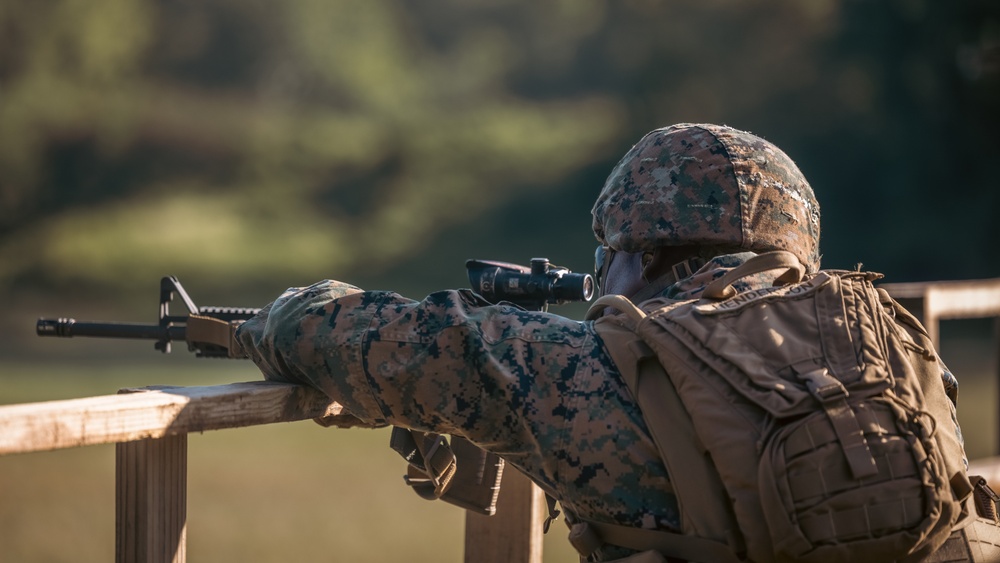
[711, 185]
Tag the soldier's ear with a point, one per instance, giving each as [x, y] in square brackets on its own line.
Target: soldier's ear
[647, 258]
[655, 264]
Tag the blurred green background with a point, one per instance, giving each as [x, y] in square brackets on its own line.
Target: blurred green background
[247, 146]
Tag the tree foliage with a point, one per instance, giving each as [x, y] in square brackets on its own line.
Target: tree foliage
[253, 142]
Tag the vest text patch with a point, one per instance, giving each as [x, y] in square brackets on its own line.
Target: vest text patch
[765, 294]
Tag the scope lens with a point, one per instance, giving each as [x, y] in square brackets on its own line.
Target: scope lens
[588, 287]
[572, 287]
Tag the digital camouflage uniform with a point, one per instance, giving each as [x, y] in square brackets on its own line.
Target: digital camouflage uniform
[536, 388]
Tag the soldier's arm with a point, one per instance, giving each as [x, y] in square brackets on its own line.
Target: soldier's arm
[447, 364]
[536, 388]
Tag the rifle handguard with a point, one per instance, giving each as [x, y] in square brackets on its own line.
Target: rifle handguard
[203, 330]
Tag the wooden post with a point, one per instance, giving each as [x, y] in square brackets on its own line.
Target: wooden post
[514, 533]
[151, 500]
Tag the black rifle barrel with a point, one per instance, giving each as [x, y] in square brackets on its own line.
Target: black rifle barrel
[68, 328]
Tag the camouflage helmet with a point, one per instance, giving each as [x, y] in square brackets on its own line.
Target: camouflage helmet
[701, 184]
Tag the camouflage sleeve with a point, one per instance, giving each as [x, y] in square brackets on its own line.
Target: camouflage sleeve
[951, 390]
[446, 364]
[265, 337]
[950, 382]
[536, 388]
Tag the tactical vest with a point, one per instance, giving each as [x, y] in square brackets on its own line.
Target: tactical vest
[801, 422]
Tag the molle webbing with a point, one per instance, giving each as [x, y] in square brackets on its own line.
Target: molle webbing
[833, 396]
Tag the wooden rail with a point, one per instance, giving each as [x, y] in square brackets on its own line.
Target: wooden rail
[150, 427]
[937, 301]
[933, 302]
[155, 412]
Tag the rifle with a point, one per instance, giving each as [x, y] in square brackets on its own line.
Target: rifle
[532, 287]
[208, 331]
[457, 472]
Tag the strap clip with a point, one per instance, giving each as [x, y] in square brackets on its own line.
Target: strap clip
[832, 394]
[823, 386]
[432, 461]
[584, 539]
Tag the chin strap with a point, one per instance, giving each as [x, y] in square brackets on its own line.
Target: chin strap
[679, 271]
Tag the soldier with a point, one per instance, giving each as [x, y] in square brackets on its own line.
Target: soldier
[685, 205]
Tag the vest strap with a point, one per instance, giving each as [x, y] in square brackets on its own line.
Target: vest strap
[722, 288]
[706, 515]
[586, 537]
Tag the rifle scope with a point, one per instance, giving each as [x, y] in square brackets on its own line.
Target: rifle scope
[530, 287]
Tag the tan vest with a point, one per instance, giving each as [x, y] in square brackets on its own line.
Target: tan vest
[803, 422]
